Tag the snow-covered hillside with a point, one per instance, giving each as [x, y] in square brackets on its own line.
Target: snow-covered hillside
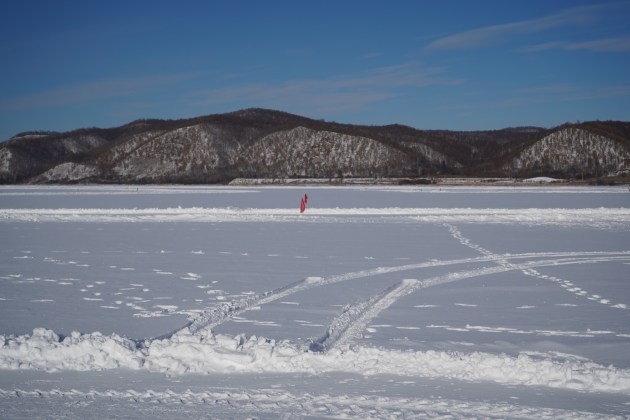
[5, 162]
[67, 172]
[163, 154]
[303, 152]
[196, 153]
[259, 143]
[28, 156]
[80, 144]
[573, 151]
[202, 152]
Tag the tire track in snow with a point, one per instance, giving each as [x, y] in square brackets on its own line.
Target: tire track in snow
[219, 314]
[241, 402]
[216, 315]
[355, 319]
[567, 285]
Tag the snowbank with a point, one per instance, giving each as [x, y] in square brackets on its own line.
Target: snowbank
[542, 180]
[557, 216]
[208, 353]
[45, 350]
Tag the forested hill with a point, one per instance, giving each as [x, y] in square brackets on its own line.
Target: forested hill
[263, 143]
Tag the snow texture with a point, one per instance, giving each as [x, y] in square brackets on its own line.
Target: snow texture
[208, 353]
[610, 217]
[512, 304]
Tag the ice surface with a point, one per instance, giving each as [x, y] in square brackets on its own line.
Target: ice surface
[483, 288]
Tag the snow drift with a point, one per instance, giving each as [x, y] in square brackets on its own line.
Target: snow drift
[557, 216]
[208, 353]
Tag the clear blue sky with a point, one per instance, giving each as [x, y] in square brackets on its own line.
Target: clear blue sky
[461, 65]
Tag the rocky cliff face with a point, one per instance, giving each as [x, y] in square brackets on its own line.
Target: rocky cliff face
[271, 144]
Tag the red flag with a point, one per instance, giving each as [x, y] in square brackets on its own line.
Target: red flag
[302, 205]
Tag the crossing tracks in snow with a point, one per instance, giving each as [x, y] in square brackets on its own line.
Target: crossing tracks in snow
[347, 324]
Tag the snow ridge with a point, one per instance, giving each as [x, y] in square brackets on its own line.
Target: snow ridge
[596, 217]
[207, 353]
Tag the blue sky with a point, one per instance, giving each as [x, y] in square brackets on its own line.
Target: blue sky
[460, 65]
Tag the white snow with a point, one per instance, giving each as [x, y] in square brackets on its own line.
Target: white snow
[376, 302]
[208, 353]
[535, 216]
[542, 179]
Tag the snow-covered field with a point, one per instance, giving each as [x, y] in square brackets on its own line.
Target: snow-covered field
[377, 302]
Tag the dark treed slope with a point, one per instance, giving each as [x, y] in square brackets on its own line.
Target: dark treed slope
[273, 144]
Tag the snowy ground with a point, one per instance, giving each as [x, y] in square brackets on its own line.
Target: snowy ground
[225, 302]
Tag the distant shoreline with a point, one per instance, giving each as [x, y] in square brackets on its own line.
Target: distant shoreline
[332, 182]
[437, 181]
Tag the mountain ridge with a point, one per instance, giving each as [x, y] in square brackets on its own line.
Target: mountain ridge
[265, 143]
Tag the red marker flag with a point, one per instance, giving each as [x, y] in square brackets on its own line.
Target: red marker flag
[302, 205]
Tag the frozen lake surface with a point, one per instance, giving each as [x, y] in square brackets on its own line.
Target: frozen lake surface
[377, 302]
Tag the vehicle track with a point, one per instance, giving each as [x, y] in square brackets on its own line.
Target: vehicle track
[269, 403]
[354, 320]
[216, 315]
[566, 284]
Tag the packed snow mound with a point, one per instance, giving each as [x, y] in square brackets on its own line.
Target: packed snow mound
[208, 353]
[542, 180]
[45, 350]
